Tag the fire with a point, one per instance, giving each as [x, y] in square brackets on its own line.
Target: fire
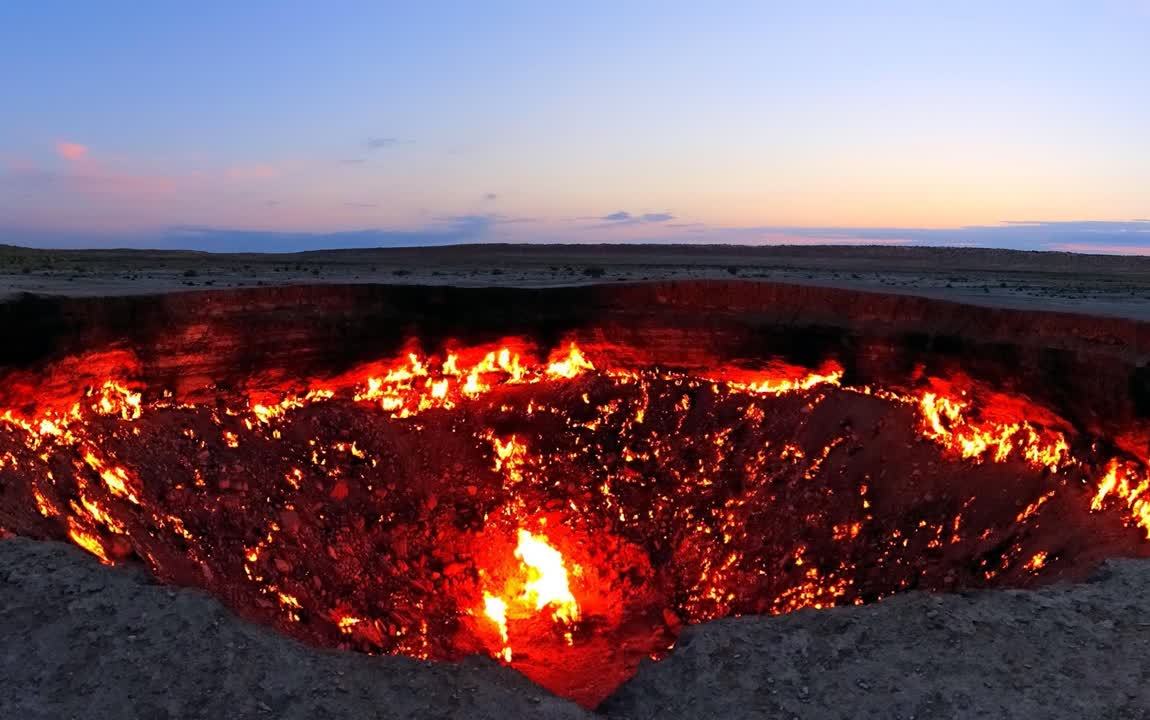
[496, 609]
[547, 577]
[114, 398]
[949, 421]
[1037, 561]
[87, 540]
[1122, 480]
[545, 585]
[570, 366]
[353, 513]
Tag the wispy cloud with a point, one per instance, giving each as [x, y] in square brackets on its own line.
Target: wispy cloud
[255, 171]
[448, 231]
[71, 151]
[1127, 237]
[1087, 248]
[370, 146]
[84, 174]
[622, 217]
[379, 143]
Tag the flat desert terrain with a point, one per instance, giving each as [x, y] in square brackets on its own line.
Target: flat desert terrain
[1090, 284]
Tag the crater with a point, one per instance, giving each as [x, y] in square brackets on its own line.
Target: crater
[563, 479]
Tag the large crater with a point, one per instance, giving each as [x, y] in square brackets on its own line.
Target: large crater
[563, 479]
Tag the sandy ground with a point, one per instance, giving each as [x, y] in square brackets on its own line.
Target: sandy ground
[1092, 284]
[85, 641]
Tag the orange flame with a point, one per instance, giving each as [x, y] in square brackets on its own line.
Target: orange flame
[546, 586]
[547, 577]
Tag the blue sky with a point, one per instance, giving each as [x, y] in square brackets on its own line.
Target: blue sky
[270, 126]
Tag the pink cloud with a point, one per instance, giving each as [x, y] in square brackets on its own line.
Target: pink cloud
[89, 175]
[786, 238]
[111, 182]
[71, 151]
[258, 171]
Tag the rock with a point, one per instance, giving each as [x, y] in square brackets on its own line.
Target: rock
[289, 519]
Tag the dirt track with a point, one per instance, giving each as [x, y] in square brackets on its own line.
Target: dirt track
[84, 641]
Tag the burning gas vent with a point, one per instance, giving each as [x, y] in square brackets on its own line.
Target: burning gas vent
[562, 511]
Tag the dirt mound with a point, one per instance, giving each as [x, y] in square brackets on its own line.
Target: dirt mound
[1060, 652]
[84, 641]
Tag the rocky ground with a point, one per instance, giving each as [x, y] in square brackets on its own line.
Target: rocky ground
[85, 641]
[1060, 652]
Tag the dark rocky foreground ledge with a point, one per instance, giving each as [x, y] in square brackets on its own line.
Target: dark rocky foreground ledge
[85, 641]
[1077, 651]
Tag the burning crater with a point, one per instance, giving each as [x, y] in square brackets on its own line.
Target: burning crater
[562, 493]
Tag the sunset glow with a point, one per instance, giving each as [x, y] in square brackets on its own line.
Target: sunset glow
[756, 124]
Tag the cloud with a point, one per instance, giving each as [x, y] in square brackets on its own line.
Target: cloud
[88, 178]
[256, 171]
[361, 204]
[71, 151]
[379, 143]
[490, 197]
[1089, 249]
[1127, 237]
[622, 217]
[452, 230]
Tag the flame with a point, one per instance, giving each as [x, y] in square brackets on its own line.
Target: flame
[1122, 481]
[115, 399]
[547, 577]
[545, 585]
[87, 540]
[948, 421]
[1037, 561]
[496, 609]
[571, 365]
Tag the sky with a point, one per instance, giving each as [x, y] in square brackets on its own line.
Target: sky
[286, 125]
